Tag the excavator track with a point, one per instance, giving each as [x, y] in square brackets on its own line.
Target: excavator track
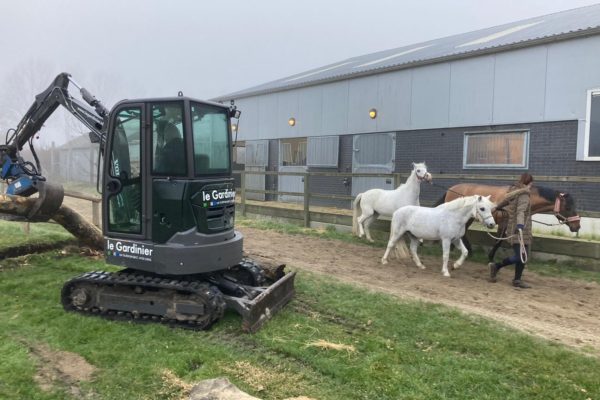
[128, 295]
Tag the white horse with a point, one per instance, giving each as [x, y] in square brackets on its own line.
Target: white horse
[375, 202]
[446, 222]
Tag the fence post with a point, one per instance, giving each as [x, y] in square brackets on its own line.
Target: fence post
[397, 180]
[306, 200]
[96, 213]
[243, 189]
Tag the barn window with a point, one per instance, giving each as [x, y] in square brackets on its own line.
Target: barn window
[592, 128]
[292, 152]
[323, 151]
[506, 149]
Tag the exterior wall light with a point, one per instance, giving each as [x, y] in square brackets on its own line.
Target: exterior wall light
[233, 127]
[372, 113]
[292, 121]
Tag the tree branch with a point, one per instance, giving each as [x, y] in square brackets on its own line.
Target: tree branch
[84, 231]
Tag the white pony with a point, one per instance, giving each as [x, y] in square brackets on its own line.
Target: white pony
[446, 222]
[375, 202]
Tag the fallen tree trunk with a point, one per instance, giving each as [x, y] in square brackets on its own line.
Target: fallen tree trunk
[84, 231]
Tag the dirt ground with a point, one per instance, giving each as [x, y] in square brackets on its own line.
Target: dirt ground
[61, 368]
[560, 310]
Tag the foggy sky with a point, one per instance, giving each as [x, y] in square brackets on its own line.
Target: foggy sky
[151, 48]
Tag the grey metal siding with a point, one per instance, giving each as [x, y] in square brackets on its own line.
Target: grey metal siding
[430, 96]
[335, 109]
[393, 104]
[471, 91]
[310, 111]
[248, 124]
[519, 86]
[573, 68]
[362, 96]
[267, 122]
[287, 107]
[543, 83]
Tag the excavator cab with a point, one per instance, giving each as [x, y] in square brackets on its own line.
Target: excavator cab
[169, 206]
[168, 186]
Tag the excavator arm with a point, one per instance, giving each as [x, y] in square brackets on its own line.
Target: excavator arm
[25, 178]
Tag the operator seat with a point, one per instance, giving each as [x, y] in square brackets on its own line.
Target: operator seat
[170, 159]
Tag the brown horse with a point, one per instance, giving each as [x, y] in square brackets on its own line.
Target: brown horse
[542, 200]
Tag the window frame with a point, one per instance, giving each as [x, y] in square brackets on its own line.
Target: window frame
[300, 139]
[221, 172]
[523, 166]
[184, 135]
[107, 229]
[588, 117]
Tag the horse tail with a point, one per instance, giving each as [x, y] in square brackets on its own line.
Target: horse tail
[442, 200]
[402, 249]
[355, 211]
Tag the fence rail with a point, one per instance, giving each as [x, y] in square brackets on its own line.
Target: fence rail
[95, 204]
[397, 177]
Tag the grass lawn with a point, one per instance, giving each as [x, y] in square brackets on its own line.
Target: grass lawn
[13, 234]
[333, 341]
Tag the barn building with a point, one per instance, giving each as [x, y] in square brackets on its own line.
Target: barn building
[523, 96]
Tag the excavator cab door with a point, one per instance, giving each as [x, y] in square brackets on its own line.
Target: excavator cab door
[123, 191]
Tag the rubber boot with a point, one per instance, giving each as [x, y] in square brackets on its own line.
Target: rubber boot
[494, 268]
[520, 284]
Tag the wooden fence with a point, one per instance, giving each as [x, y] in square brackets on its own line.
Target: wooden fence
[398, 178]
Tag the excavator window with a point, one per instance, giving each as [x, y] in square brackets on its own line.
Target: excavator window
[124, 207]
[168, 144]
[211, 139]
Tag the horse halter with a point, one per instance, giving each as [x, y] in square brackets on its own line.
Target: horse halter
[557, 206]
[421, 178]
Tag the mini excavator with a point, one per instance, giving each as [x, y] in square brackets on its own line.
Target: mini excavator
[168, 211]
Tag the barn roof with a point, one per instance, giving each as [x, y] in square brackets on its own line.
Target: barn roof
[563, 25]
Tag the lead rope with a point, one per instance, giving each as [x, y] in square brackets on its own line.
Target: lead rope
[522, 249]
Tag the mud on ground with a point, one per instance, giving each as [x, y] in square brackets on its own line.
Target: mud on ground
[561, 310]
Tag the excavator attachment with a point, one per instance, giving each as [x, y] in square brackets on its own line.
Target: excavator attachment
[255, 312]
[50, 198]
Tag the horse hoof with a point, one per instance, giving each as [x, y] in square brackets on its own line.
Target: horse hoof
[421, 266]
[447, 275]
[384, 261]
[456, 266]
[371, 240]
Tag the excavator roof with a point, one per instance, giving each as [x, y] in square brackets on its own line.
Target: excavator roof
[174, 98]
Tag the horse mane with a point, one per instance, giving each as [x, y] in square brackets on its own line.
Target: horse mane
[546, 193]
[459, 202]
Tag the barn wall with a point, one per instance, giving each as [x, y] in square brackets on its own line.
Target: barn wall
[552, 151]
